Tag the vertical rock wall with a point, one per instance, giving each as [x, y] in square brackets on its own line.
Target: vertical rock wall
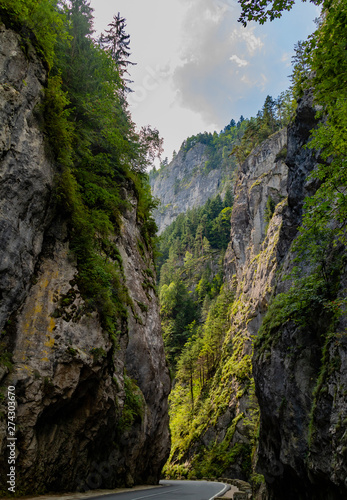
[301, 380]
[222, 438]
[250, 266]
[92, 412]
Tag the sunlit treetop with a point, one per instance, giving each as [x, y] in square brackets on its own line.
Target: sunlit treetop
[266, 10]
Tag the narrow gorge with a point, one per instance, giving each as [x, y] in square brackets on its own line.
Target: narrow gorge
[184, 322]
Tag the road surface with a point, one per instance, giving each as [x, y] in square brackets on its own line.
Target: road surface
[172, 490]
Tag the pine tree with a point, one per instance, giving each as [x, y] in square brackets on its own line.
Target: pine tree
[228, 198]
[268, 114]
[117, 42]
[75, 59]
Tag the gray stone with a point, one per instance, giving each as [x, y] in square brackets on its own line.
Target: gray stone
[69, 378]
[302, 445]
[183, 184]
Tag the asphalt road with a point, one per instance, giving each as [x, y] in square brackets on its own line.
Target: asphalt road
[172, 490]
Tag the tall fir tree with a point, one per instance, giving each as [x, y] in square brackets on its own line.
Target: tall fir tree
[117, 42]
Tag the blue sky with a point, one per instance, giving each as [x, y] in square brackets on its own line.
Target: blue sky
[197, 67]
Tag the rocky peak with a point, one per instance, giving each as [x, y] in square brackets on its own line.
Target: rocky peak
[262, 176]
[184, 184]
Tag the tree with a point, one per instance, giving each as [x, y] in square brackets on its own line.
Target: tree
[228, 198]
[221, 228]
[268, 114]
[165, 162]
[75, 59]
[264, 10]
[117, 42]
[151, 146]
[286, 105]
[206, 246]
[321, 65]
[238, 125]
[327, 60]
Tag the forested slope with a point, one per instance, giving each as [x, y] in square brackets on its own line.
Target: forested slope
[205, 163]
[214, 389]
[260, 384]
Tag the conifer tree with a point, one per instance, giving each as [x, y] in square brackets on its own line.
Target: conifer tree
[117, 42]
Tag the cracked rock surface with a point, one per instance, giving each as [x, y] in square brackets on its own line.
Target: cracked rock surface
[69, 377]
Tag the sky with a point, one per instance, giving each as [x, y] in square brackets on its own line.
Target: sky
[197, 67]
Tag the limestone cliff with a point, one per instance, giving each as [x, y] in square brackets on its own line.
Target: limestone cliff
[92, 410]
[184, 184]
[299, 363]
[220, 441]
[291, 339]
[250, 268]
[299, 354]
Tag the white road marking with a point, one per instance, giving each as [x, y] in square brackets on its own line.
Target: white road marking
[224, 490]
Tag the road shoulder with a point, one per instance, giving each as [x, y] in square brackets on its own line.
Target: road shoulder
[88, 494]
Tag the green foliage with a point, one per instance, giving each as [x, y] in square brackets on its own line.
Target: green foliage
[326, 56]
[41, 17]
[320, 64]
[177, 312]
[187, 232]
[269, 209]
[202, 393]
[218, 149]
[265, 10]
[98, 353]
[203, 348]
[133, 409]
[218, 146]
[190, 247]
[275, 114]
[5, 358]
[96, 146]
[311, 302]
[117, 42]
[57, 125]
[214, 461]
[282, 155]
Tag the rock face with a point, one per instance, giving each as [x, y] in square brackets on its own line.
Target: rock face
[26, 170]
[250, 268]
[91, 412]
[262, 176]
[225, 428]
[299, 370]
[301, 378]
[183, 184]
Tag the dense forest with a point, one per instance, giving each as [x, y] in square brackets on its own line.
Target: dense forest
[197, 304]
[190, 270]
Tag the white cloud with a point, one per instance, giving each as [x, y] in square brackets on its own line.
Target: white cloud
[240, 62]
[253, 43]
[263, 80]
[287, 59]
[197, 67]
